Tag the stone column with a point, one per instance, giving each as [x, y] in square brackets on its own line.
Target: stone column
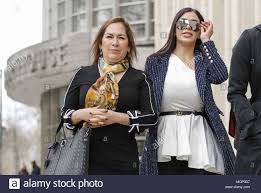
[50, 116]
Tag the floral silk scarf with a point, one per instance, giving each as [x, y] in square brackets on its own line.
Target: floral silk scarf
[104, 93]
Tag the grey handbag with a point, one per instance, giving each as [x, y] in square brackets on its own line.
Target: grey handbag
[70, 155]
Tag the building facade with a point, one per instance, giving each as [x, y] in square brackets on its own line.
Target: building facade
[39, 74]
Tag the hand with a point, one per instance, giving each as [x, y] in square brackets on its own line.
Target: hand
[103, 117]
[107, 117]
[206, 30]
[87, 115]
[96, 117]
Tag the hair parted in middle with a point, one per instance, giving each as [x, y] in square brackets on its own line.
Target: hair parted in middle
[95, 49]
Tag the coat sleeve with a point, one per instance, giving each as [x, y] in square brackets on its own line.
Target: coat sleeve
[239, 76]
[216, 70]
[145, 116]
[71, 101]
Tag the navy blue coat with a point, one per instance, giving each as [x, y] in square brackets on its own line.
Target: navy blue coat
[209, 69]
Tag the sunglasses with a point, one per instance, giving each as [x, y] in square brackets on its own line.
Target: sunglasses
[184, 23]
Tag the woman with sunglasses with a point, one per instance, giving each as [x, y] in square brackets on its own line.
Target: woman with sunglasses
[189, 138]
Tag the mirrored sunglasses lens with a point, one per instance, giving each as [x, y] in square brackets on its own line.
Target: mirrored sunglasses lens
[184, 23]
[194, 25]
[180, 25]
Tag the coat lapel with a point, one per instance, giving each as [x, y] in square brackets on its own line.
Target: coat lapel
[200, 73]
[159, 69]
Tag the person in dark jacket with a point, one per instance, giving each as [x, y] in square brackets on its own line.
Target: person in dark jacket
[190, 138]
[36, 169]
[113, 99]
[246, 69]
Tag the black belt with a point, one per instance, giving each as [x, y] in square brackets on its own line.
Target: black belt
[180, 113]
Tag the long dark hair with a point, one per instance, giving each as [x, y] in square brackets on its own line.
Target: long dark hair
[95, 50]
[171, 42]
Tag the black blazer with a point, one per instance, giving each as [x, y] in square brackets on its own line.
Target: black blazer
[246, 69]
[114, 145]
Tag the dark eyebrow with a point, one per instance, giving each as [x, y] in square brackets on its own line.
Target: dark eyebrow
[117, 34]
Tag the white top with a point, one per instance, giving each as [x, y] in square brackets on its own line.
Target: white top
[186, 137]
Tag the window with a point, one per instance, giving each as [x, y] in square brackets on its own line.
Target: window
[139, 14]
[102, 10]
[134, 12]
[50, 23]
[61, 18]
[78, 15]
[101, 3]
[99, 17]
[61, 10]
[78, 6]
[152, 30]
[61, 28]
[151, 16]
[78, 23]
[139, 30]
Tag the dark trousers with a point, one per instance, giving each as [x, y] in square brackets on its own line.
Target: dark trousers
[177, 167]
[248, 158]
[104, 171]
[100, 168]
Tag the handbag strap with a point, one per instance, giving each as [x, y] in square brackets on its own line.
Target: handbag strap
[47, 161]
[58, 129]
[59, 126]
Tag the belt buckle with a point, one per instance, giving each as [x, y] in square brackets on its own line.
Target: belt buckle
[179, 113]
